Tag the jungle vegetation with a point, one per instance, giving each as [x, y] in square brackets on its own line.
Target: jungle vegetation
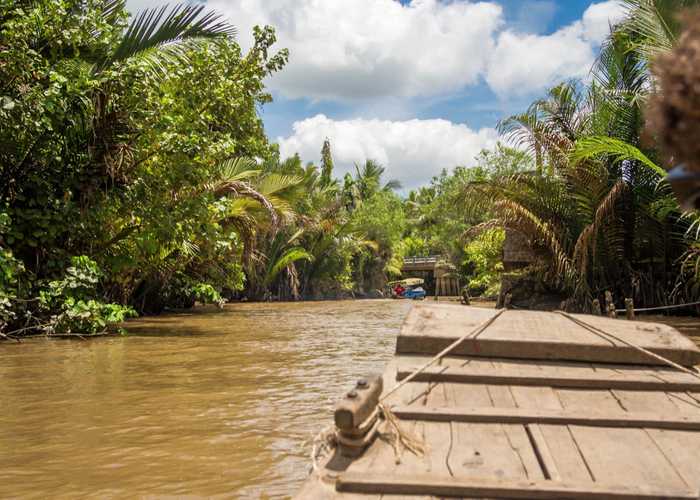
[135, 175]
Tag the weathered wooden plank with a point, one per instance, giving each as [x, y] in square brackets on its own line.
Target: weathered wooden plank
[543, 453]
[437, 436]
[584, 400]
[646, 401]
[682, 449]
[466, 395]
[522, 446]
[494, 488]
[504, 375]
[501, 396]
[565, 453]
[560, 417]
[686, 401]
[543, 398]
[501, 451]
[538, 335]
[625, 455]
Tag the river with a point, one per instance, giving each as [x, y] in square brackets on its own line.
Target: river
[215, 404]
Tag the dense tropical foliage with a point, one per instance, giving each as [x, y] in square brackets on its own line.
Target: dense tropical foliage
[596, 206]
[135, 175]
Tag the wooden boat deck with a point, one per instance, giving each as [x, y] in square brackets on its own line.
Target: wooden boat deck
[510, 420]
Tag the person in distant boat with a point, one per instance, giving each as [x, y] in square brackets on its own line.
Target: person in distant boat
[399, 290]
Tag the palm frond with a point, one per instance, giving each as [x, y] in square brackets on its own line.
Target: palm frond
[587, 237]
[290, 256]
[111, 9]
[272, 184]
[168, 28]
[392, 185]
[238, 169]
[591, 147]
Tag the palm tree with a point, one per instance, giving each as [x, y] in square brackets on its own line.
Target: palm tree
[282, 254]
[158, 38]
[368, 180]
[598, 204]
[655, 24]
[162, 34]
[550, 126]
[259, 204]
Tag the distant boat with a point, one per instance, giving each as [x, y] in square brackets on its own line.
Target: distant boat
[412, 289]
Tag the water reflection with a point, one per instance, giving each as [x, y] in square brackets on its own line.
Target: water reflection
[214, 404]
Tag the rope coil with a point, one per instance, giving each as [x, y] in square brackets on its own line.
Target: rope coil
[398, 437]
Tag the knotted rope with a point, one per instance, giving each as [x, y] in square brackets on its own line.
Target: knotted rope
[398, 437]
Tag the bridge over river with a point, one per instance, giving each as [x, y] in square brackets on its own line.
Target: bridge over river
[440, 275]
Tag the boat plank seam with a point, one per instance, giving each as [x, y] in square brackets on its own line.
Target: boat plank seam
[557, 417]
[481, 487]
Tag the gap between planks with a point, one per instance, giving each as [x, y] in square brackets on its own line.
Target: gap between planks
[558, 417]
[372, 483]
[590, 381]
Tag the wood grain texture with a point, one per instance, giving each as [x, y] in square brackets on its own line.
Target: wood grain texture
[429, 328]
[558, 417]
[495, 488]
[534, 407]
[644, 380]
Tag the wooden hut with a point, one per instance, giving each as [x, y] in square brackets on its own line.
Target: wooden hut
[517, 252]
[527, 404]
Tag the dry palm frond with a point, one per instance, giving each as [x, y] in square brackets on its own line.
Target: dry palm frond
[586, 239]
[515, 216]
[474, 231]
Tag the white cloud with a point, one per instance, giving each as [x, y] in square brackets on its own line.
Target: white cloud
[412, 151]
[524, 63]
[598, 18]
[135, 6]
[363, 49]
[369, 48]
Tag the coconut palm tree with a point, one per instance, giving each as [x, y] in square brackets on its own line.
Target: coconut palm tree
[598, 205]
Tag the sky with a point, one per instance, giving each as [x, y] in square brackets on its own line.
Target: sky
[417, 85]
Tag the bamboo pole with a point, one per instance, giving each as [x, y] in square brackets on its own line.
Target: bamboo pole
[609, 305]
[629, 308]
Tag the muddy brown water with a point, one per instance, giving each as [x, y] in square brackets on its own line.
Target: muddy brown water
[209, 404]
[204, 405]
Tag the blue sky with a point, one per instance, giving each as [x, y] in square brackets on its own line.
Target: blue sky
[418, 85]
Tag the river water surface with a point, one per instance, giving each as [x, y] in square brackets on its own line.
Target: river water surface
[215, 404]
[210, 404]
